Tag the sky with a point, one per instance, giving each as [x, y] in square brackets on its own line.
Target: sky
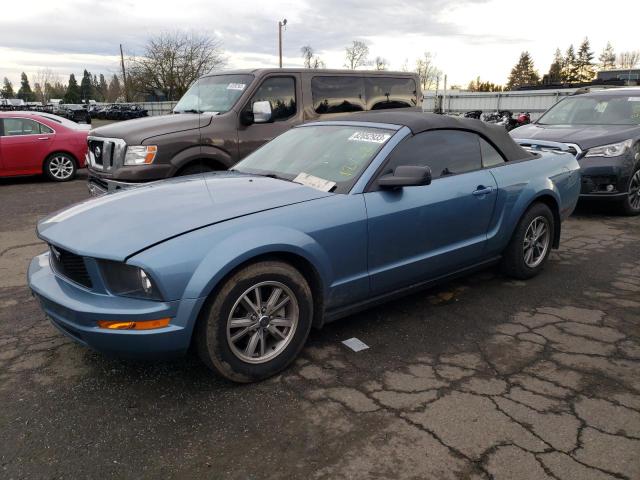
[467, 38]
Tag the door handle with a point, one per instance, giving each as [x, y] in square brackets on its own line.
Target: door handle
[43, 138]
[482, 190]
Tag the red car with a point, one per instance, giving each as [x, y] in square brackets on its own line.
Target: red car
[33, 143]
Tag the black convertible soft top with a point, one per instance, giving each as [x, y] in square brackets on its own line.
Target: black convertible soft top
[418, 121]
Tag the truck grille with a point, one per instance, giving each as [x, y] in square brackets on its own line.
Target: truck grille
[106, 153]
[70, 265]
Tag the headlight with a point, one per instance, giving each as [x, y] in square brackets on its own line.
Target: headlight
[128, 280]
[612, 150]
[140, 155]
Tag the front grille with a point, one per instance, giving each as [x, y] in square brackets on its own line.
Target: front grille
[70, 265]
[97, 149]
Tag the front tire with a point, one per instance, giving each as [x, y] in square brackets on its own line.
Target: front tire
[529, 248]
[195, 168]
[256, 323]
[631, 204]
[60, 167]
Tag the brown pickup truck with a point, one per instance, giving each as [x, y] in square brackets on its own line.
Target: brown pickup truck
[224, 117]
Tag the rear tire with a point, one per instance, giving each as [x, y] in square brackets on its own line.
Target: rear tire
[246, 336]
[530, 245]
[631, 204]
[60, 167]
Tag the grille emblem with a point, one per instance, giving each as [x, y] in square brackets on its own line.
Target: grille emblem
[97, 151]
[56, 252]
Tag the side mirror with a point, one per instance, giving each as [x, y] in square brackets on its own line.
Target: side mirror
[262, 112]
[406, 176]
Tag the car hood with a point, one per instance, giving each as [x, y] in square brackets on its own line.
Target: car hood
[121, 224]
[136, 131]
[585, 136]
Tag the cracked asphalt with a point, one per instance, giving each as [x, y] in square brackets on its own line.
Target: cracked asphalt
[481, 378]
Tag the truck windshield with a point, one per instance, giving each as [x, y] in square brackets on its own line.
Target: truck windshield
[331, 153]
[596, 110]
[217, 93]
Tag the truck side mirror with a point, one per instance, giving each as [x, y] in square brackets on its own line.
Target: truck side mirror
[262, 112]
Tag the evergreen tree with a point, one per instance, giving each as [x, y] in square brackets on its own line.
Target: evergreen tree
[569, 67]
[7, 89]
[57, 90]
[523, 73]
[555, 70]
[72, 94]
[584, 63]
[86, 87]
[607, 58]
[25, 92]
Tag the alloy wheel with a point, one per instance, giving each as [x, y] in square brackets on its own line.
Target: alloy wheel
[61, 167]
[634, 191]
[262, 322]
[536, 242]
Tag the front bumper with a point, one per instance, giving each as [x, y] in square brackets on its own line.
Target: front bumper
[75, 311]
[605, 178]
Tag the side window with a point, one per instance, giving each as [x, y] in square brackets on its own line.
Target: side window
[280, 92]
[385, 92]
[337, 94]
[45, 129]
[490, 156]
[446, 152]
[20, 126]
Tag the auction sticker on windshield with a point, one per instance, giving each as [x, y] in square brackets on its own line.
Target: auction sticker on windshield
[236, 86]
[314, 182]
[370, 137]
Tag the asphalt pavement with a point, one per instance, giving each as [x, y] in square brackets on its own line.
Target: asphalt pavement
[483, 378]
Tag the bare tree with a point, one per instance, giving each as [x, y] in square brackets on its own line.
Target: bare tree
[427, 71]
[380, 63]
[628, 59]
[356, 55]
[310, 59]
[46, 78]
[172, 61]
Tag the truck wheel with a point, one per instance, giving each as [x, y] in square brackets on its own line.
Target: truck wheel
[630, 205]
[195, 168]
[529, 248]
[60, 167]
[256, 323]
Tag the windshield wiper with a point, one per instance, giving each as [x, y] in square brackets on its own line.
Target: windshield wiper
[268, 175]
[190, 110]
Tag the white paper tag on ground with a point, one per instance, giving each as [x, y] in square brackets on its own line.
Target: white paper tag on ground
[355, 344]
[314, 182]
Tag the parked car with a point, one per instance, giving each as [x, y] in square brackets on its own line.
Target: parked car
[32, 143]
[75, 113]
[222, 118]
[602, 129]
[327, 219]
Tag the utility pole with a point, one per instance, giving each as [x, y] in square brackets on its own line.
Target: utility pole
[124, 76]
[281, 24]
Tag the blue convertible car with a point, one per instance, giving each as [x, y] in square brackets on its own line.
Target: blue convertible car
[328, 218]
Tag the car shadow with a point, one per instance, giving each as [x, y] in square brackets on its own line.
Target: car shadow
[37, 179]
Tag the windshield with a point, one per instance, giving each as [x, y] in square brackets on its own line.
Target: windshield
[595, 110]
[335, 153]
[217, 93]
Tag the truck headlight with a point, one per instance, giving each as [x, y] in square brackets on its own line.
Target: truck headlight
[128, 280]
[140, 154]
[611, 150]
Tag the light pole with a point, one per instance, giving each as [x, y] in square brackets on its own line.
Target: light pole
[281, 24]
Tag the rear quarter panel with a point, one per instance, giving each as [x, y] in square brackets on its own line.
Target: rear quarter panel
[555, 175]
